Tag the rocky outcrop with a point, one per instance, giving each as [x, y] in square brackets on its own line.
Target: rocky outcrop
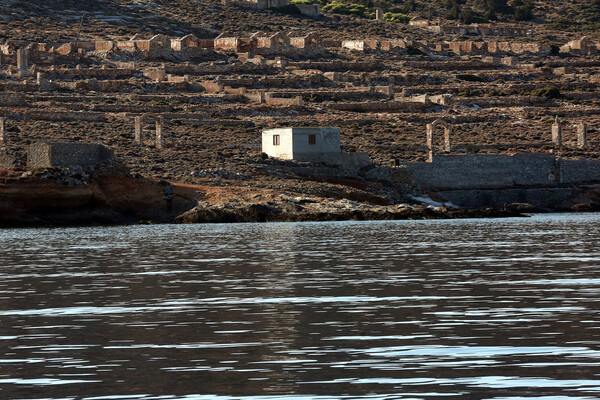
[55, 197]
[306, 209]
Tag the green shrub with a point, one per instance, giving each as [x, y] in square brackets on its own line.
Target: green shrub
[465, 92]
[468, 16]
[398, 18]
[359, 10]
[337, 7]
[561, 25]
[551, 92]
[523, 10]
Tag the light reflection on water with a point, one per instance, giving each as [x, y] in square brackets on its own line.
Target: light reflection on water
[472, 309]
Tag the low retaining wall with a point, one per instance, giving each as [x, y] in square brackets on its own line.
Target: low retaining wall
[56, 154]
[474, 172]
[371, 106]
[342, 158]
[10, 159]
[579, 171]
[294, 102]
[507, 101]
[88, 116]
[484, 171]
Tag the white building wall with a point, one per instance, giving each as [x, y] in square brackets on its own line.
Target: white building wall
[285, 148]
[327, 141]
[295, 145]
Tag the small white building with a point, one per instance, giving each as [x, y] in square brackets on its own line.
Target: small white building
[310, 144]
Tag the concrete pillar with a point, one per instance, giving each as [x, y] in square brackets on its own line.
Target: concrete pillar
[447, 132]
[582, 141]
[556, 133]
[3, 138]
[139, 132]
[41, 79]
[159, 133]
[430, 141]
[379, 14]
[23, 61]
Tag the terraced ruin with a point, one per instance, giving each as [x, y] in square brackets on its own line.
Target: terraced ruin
[215, 96]
[191, 107]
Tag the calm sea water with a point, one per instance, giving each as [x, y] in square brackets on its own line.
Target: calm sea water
[469, 309]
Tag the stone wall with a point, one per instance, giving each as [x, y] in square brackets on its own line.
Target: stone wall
[472, 171]
[579, 171]
[372, 106]
[345, 159]
[506, 101]
[10, 158]
[89, 116]
[311, 10]
[483, 48]
[336, 65]
[484, 171]
[57, 154]
[293, 102]
[92, 72]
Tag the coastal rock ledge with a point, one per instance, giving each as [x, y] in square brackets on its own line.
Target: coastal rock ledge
[342, 210]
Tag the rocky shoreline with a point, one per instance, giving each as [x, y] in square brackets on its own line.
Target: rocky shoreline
[343, 210]
[79, 197]
[109, 195]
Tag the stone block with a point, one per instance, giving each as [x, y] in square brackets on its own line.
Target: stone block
[557, 133]
[139, 131]
[582, 141]
[65, 155]
[3, 137]
[23, 61]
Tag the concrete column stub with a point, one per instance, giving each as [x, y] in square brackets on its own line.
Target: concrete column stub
[447, 132]
[41, 79]
[556, 132]
[430, 142]
[379, 14]
[3, 138]
[159, 133]
[139, 132]
[23, 61]
[582, 141]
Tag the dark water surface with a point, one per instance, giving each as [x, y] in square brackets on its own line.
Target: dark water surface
[471, 309]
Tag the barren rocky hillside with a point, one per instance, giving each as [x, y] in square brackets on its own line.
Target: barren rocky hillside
[500, 91]
[59, 19]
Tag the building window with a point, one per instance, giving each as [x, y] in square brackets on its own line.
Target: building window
[312, 139]
[275, 140]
